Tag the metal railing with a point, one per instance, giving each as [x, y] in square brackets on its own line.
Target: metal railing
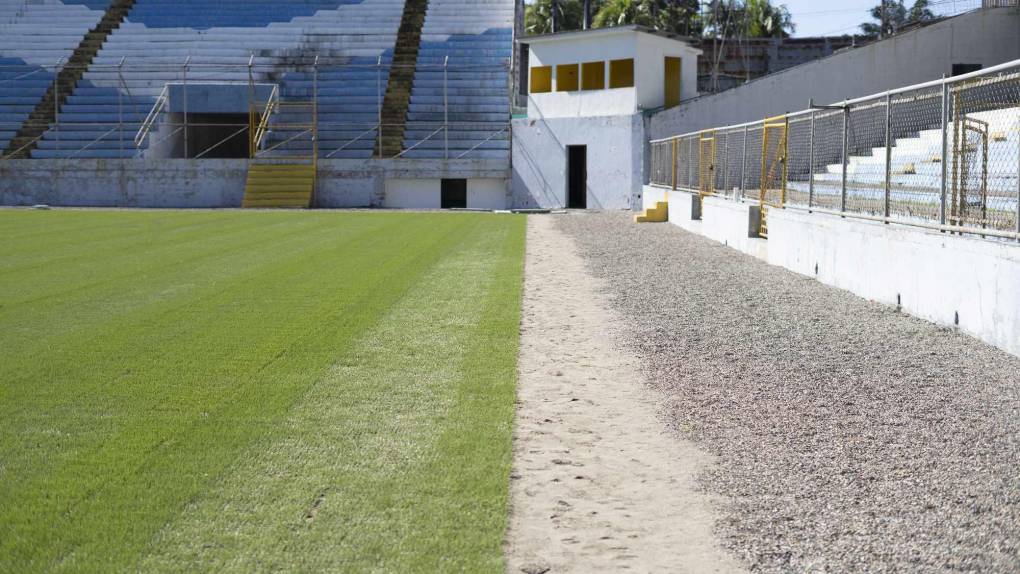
[943, 155]
[142, 118]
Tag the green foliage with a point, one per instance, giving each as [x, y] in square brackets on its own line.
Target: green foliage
[750, 18]
[255, 391]
[538, 16]
[893, 15]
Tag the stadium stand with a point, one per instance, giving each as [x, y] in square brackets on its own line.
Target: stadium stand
[916, 164]
[474, 39]
[102, 117]
[125, 54]
[36, 38]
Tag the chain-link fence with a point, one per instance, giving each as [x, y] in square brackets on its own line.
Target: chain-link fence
[289, 107]
[944, 154]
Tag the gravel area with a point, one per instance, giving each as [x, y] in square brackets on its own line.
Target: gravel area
[851, 437]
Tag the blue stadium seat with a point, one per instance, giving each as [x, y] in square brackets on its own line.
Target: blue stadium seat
[474, 38]
[36, 37]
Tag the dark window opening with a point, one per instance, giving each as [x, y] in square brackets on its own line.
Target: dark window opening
[522, 69]
[577, 177]
[453, 194]
[960, 69]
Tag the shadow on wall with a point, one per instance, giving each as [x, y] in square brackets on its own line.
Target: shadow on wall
[549, 196]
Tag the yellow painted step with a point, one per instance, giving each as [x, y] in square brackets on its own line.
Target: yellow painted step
[657, 214]
[279, 186]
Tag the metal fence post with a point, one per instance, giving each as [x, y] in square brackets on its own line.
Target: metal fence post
[811, 163]
[888, 155]
[56, 102]
[446, 109]
[945, 150]
[1018, 191]
[676, 143]
[185, 88]
[846, 144]
[120, 105]
[379, 101]
[251, 107]
[315, 111]
[743, 165]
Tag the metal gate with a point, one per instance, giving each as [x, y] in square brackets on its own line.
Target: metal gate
[968, 202]
[706, 163]
[773, 168]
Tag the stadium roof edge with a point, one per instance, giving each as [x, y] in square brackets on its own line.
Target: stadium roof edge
[612, 30]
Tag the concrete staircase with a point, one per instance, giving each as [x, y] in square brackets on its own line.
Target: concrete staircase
[279, 186]
[398, 90]
[657, 214]
[39, 121]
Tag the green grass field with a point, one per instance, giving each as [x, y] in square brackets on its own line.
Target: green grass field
[255, 391]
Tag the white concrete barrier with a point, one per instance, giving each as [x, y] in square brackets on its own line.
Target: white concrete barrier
[652, 195]
[735, 224]
[956, 281]
[967, 282]
[685, 210]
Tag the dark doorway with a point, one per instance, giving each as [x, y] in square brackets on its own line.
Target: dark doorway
[577, 177]
[222, 136]
[453, 194]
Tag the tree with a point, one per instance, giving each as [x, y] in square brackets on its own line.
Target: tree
[763, 20]
[675, 16]
[569, 15]
[893, 15]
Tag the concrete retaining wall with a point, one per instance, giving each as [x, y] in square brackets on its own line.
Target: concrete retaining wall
[968, 282]
[985, 37]
[965, 282]
[212, 183]
[734, 224]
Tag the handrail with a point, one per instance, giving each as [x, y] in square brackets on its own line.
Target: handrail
[421, 142]
[262, 128]
[481, 143]
[348, 144]
[150, 120]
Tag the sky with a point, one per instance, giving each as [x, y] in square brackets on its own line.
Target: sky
[832, 18]
[837, 17]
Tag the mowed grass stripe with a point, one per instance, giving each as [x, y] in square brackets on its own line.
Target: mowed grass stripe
[167, 393]
[123, 410]
[398, 459]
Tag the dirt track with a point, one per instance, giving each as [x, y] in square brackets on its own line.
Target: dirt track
[598, 483]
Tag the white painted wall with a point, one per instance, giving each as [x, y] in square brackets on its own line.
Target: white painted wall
[616, 149]
[598, 103]
[482, 193]
[729, 222]
[209, 183]
[487, 194]
[413, 193]
[650, 70]
[648, 51]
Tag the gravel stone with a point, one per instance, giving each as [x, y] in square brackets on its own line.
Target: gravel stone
[850, 437]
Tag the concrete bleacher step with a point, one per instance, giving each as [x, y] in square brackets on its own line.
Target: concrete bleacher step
[25, 141]
[279, 185]
[401, 80]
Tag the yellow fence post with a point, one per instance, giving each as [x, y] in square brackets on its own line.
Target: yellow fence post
[675, 142]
